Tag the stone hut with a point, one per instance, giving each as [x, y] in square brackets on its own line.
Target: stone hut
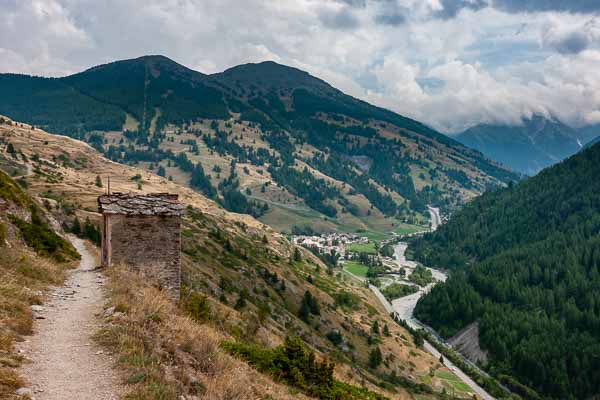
[143, 231]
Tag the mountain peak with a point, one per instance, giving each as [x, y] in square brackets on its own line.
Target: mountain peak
[154, 63]
[155, 57]
[270, 74]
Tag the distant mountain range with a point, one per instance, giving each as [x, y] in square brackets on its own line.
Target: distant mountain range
[593, 142]
[528, 148]
[590, 134]
[264, 139]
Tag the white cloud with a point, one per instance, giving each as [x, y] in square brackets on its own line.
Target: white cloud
[488, 65]
[37, 37]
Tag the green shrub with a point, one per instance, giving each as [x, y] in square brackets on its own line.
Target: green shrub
[397, 290]
[91, 232]
[421, 276]
[196, 305]
[335, 337]
[10, 191]
[87, 231]
[296, 365]
[43, 240]
[347, 300]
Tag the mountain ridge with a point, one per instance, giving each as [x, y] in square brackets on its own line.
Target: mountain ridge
[268, 123]
[592, 142]
[528, 148]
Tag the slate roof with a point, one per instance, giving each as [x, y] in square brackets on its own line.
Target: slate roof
[164, 204]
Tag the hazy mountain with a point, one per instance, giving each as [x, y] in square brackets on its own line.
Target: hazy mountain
[263, 139]
[525, 263]
[589, 133]
[593, 142]
[528, 148]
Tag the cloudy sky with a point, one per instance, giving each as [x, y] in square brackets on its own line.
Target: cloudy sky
[448, 63]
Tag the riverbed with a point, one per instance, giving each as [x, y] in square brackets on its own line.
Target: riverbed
[405, 306]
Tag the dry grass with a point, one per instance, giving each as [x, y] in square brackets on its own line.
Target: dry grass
[23, 277]
[166, 354]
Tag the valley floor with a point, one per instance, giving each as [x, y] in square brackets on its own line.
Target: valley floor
[64, 361]
[403, 307]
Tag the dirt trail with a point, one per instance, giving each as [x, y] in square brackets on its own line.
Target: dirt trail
[65, 363]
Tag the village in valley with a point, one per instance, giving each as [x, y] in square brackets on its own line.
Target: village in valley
[381, 265]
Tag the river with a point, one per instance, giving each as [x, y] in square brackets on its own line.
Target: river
[404, 307]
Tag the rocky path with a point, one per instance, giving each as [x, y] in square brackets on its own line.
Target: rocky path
[65, 363]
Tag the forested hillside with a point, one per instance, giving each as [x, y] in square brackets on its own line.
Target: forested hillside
[34, 255]
[262, 139]
[525, 264]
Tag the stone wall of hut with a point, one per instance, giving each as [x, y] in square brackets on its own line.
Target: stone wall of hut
[150, 244]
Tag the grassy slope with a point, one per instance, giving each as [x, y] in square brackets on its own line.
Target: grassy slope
[225, 258]
[24, 274]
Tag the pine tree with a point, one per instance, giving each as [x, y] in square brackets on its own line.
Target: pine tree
[91, 232]
[375, 358]
[98, 181]
[314, 305]
[304, 312]
[386, 330]
[375, 328]
[76, 227]
[11, 150]
[308, 306]
[297, 255]
[240, 303]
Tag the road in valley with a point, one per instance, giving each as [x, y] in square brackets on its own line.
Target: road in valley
[458, 372]
[404, 307]
[436, 220]
[415, 324]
